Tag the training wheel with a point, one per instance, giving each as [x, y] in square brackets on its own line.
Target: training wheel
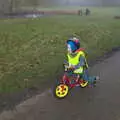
[84, 84]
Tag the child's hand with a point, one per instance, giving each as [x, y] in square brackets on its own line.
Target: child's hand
[72, 67]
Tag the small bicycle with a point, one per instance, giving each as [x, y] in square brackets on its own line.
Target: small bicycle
[69, 80]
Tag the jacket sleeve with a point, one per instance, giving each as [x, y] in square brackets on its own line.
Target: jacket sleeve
[81, 62]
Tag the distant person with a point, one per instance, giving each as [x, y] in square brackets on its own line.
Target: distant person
[80, 12]
[87, 12]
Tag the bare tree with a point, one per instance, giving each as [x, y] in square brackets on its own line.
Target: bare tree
[4, 6]
[14, 5]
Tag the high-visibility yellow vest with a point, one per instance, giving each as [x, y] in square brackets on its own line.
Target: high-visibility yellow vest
[75, 60]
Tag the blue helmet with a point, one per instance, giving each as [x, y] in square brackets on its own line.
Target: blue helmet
[76, 40]
[72, 45]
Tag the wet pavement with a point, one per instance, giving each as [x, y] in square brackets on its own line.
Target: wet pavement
[99, 103]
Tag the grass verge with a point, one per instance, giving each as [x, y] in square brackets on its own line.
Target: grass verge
[32, 50]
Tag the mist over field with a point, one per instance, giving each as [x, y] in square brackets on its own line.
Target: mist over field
[14, 5]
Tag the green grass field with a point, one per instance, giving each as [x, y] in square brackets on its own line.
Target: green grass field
[33, 50]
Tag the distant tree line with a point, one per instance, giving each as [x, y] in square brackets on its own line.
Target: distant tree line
[9, 6]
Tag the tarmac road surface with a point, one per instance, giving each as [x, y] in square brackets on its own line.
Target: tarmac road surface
[99, 103]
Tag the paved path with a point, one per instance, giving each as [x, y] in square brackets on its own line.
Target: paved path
[100, 103]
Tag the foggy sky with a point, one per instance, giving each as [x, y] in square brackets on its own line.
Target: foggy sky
[90, 2]
[7, 5]
[74, 2]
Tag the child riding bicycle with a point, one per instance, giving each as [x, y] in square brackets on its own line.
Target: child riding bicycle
[77, 60]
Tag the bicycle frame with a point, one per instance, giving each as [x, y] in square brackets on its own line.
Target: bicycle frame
[66, 80]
